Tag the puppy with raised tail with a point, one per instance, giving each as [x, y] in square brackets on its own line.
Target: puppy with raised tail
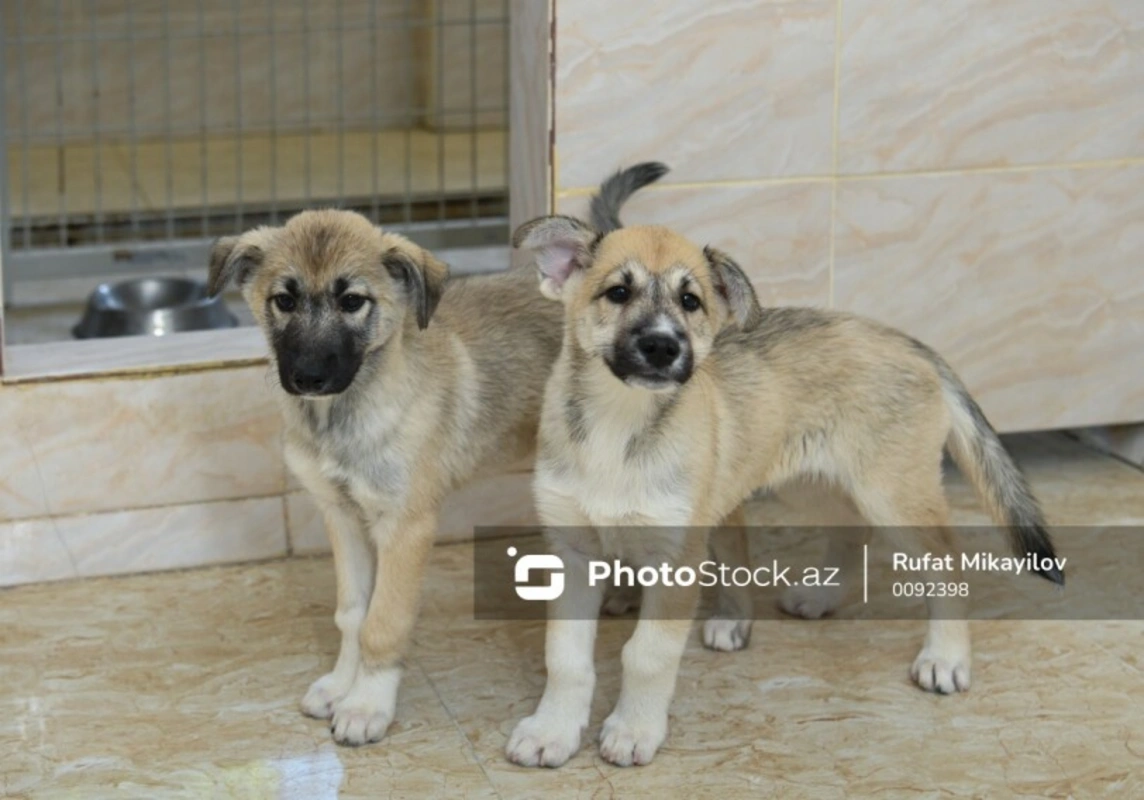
[674, 398]
[398, 384]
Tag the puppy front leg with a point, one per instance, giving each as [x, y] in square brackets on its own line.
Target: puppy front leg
[365, 713]
[729, 627]
[637, 726]
[353, 566]
[551, 736]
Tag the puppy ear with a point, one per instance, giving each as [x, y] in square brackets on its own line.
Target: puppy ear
[235, 258]
[422, 275]
[734, 286]
[561, 245]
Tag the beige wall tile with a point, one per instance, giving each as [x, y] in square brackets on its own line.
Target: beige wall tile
[1028, 283]
[141, 540]
[101, 445]
[928, 85]
[23, 494]
[175, 536]
[32, 551]
[780, 234]
[729, 90]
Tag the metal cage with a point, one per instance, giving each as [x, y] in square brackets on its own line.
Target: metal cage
[137, 131]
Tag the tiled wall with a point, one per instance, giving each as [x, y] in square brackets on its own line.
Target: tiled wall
[118, 475]
[971, 171]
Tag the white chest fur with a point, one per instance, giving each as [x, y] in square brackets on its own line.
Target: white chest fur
[622, 470]
[351, 450]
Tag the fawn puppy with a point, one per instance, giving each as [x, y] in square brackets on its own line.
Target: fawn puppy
[674, 398]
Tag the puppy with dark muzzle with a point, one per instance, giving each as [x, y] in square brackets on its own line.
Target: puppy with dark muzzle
[398, 384]
[674, 399]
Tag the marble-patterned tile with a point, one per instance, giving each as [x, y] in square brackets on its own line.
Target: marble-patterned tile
[732, 90]
[110, 444]
[33, 551]
[41, 346]
[98, 675]
[822, 709]
[977, 83]
[195, 535]
[1036, 276]
[779, 234]
[1125, 441]
[23, 493]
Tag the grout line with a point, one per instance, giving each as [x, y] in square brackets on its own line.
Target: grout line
[51, 515]
[1015, 169]
[834, 150]
[457, 726]
[1073, 435]
[135, 373]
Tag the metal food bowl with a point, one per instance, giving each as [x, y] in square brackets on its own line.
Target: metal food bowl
[151, 307]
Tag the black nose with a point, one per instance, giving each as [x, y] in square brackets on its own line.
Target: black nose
[658, 349]
[310, 381]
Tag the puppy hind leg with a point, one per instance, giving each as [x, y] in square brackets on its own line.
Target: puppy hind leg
[729, 627]
[846, 532]
[915, 515]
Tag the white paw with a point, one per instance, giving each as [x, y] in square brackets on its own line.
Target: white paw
[363, 715]
[323, 694]
[726, 634]
[941, 673]
[538, 742]
[811, 602]
[626, 744]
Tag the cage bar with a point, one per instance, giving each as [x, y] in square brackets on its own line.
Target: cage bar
[157, 77]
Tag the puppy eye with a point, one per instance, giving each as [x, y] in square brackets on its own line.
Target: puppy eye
[618, 294]
[285, 303]
[350, 303]
[689, 302]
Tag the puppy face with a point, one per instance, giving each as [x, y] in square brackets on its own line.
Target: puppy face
[645, 300]
[328, 289]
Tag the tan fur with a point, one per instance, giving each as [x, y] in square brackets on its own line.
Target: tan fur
[776, 396]
[426, 410]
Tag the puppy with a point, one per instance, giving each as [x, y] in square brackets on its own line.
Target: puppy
[397, 386]
[674, 398]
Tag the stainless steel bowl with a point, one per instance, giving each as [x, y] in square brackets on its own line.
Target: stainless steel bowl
[151, 307]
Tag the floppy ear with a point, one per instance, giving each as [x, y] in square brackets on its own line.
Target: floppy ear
[422, 275]
[235, 258]
[734, 286]
[561, 245]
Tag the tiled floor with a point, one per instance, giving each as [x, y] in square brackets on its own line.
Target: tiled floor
[186, 685]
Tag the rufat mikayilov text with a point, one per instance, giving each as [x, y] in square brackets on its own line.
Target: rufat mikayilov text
[977, 562]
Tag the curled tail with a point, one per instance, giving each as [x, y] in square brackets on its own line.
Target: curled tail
[614, 192]
[998, 480]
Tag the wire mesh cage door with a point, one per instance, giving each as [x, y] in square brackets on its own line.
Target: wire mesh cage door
[137, 131]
